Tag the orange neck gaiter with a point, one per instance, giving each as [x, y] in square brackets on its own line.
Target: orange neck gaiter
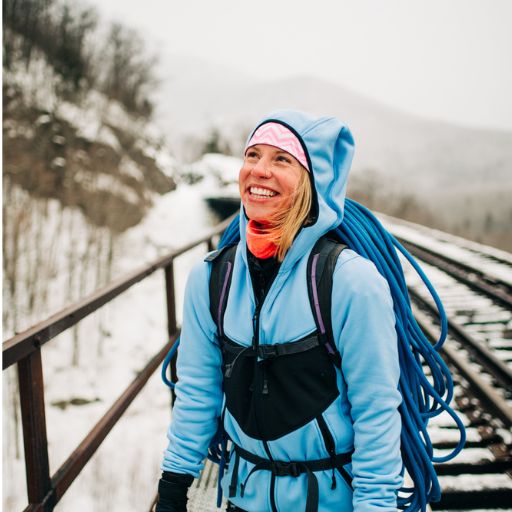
[258, 241]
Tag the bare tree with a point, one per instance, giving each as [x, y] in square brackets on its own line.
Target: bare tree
[128, 75]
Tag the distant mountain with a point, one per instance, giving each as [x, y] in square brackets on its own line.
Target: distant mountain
[451, 177]
[196, 96]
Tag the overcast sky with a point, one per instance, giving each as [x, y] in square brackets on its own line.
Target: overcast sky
[444, 59]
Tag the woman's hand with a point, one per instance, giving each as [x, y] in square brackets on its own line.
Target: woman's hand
[172, 492]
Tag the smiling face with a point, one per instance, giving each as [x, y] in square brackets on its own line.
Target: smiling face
[268, 180]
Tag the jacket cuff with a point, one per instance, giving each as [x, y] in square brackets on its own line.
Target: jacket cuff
[177, 478]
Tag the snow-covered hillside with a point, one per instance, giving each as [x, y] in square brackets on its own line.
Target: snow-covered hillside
[83, 149]
[113, 345]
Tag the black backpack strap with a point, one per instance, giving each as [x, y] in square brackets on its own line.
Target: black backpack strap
[321, 265]
[222, 262]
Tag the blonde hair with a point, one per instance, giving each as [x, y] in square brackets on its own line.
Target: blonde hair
[283, 226]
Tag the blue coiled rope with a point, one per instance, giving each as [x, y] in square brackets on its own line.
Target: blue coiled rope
[422, 398]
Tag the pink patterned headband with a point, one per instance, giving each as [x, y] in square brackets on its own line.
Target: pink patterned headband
[277, 135]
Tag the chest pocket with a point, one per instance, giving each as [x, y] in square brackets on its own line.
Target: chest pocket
[273, 390]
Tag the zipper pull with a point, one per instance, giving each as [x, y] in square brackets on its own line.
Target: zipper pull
[264, 391]
[255, 327]
[229, 371]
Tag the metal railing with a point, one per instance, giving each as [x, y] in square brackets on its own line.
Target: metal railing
[45, 490]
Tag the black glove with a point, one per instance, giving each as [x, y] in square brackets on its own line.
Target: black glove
[172, 492]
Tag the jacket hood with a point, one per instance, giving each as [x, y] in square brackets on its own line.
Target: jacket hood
[329, 149]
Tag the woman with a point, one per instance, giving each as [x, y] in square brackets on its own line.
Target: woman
[306, 435]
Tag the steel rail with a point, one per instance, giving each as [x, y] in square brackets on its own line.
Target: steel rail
[27, 342]
[482, 389]
[485, 356]
[74, 464]
[497, 290]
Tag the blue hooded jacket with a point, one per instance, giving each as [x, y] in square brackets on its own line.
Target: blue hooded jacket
[364, 417]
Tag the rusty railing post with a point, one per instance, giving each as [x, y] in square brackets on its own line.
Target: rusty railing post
[172, 324]
[30, 377]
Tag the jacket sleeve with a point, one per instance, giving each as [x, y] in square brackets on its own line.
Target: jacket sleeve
[199, 389]
[364, 325]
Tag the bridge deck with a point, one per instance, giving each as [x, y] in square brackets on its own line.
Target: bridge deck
[202, 496]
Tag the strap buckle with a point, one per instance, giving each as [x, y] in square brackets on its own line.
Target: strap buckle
[286, 468]
[268, 351]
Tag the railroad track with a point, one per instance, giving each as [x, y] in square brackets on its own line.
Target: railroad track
[475, 285]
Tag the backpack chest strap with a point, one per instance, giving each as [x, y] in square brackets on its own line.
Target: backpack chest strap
[269, 351]
[320, 269]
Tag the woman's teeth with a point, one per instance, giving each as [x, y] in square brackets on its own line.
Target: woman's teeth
[256, 191]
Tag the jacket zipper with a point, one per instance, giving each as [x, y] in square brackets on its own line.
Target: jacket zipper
[256, 326]
[255, 345]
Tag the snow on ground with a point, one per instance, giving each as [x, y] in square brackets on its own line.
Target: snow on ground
[225, 167]
[219, 174]
[438, 435]
[468, 455]
[476, 482]
[453, 239]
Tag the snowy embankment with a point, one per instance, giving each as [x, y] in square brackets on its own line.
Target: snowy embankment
[113, 345]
